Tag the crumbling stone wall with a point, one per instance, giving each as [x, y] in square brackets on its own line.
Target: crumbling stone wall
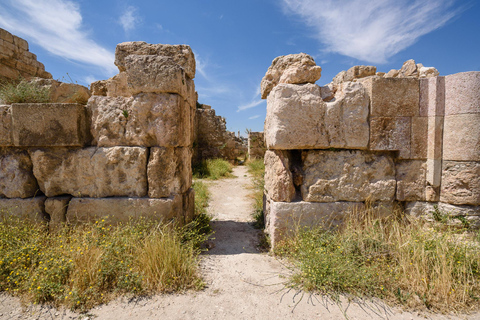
[256, 145]
[17, 61]
[408, 137]
[126, 154]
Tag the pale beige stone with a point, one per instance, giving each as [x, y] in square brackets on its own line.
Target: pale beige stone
[432, 97]
[461, 183]
[91, 172]
[6, 138]
[462, 93]
[338, 79]
[16, 175]
[293, 68]
[380, 74]
[427, 72]
[30, 208]
[435, 137]
[426, 211]
[434, 172]
[331, 176]
[278, 178]
[461, 137]
[411, 180]
[256, 145]
[327, 92]
[357, 72]
[392, 74]
[295, 118]
[419, 137]
[420, 209]
[409, 69]
[56, 208]
[189, 205]
[49, 124]
[391, 134]
[181, 54]
[61, 92]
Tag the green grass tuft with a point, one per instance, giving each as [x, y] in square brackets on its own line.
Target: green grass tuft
[212, 169]
[23, 92]
[257, 170]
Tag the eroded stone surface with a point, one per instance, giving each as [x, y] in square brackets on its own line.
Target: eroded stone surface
[461, 138]
[30, 208]
[116, 86]
[391, 134]
[62, 92]
[56, 208]
[278, 178]
[460, 183]
[6, 138]
[462, 93]
[411, 180]
[16, 174]
[357, 72]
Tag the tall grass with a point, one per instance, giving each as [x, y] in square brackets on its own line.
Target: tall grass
[257, 170]
[23, 92]
[212, 169]
[404, 262]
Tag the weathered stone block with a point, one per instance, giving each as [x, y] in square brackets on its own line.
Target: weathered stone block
[61, 92]
[6, 138]
[30, 208]
[462, 93]
[115, 210]
[92, 172]
[461, 138]
[331, 176]
[426, 211]
[432, 97]
[391, 134]
[357, 72]
[461, 183]
[49, 124]
[411, 180]
[434, 172]
[189, 205]
[419, 138]
[57, 209]
[434, 137]
[16, 175]
[278, 177]
[169, 171]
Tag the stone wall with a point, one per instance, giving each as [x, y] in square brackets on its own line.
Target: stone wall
[408, 138]
[16, 61]
[256, 145]
[126, 154]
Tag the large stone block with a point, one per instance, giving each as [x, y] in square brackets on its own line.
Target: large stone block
[434, 137]
[155, 74]
[49, 124]
[461, 183]
[419, 137]
[429, 210]
[144, 120]
[56, 208]
[6, 138]
[295, 118]
[181, 54]
[16, 174]
[278, 177]
[461, 138]
[115, 210]
[31, 208]
[432, 97]
[92, 172]
[62, 92]
[388, 134]
[411, 180]
[169, 171]
[331, 176]
[462, 93]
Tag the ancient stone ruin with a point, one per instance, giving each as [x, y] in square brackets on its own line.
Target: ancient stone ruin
[256, 145]
[408, 138]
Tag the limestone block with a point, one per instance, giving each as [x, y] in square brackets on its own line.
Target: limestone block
[181, 54]
[419, 137]
[427, 72]
[29, 208]
[49, 124]
[426, 209]
[92, 172]
[434, 137]
[191, 95]
[462, 93]
[460, 183]
[116, 210]
[283, 218]
[295, 118]
[391, 134]
[434, 172]
[331, 176]
[346, 118]
[278, 177]
[327, 92]
[357, 72]
[56, 208]
[411, 180]
[144, 120]
[409, 69]
[6, 36]
[293, 68]
[61, 92]
[393, 73]
[461, 138]
[155, 74]
[6, 138]
[169, 171]
[393, 97]
[16, 175]
[189, 205]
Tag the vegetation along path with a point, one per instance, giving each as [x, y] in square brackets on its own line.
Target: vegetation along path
[242, 282]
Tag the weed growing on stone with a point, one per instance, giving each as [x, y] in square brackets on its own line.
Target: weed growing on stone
[212, 169]
[412, 264]
[23, 92]
[257, 170]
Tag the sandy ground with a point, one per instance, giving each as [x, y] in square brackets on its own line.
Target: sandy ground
[242, 283]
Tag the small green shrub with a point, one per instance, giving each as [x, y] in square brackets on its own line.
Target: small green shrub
[23, 92]
[212, 169]
[257, 170]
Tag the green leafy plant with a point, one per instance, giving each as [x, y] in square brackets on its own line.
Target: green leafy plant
[23, 92]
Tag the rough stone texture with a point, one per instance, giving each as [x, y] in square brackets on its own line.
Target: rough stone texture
[331, 176]
[425, 210]
[432, 97]
[169, 171]
[61, 92]
[181, 54]
[391, 134]
[49, 124]
[434, 172]
[411, 180]
[144, 120]
[284, 218]
[91, 172]
[189, 205]
[434, 137]
[278, 177]
[155, 74]
[357, 72]
[460, 183]
[427, 72]
[419, 137]
[56, 208]
[392, 74]
[256, 145]
[462, 93]
[461, 139]
[328, 92]
[115, 210]
[116, 86]
[295, 118]
[16, 175]
[30, 208]
[6, 138]
[409, 69]
[346, 118]
[293, 68]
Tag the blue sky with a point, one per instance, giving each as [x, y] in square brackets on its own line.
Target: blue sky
[235, 41]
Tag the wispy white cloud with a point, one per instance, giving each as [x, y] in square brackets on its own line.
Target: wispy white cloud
[254, 117]
[201, 65]
[130, 18]
[371, 30]
[56, 25]
[250, 105]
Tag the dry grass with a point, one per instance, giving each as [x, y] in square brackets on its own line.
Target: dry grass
[212, 169]
[23, 92]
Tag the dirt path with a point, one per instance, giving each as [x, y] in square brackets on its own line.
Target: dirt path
[242, 283]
